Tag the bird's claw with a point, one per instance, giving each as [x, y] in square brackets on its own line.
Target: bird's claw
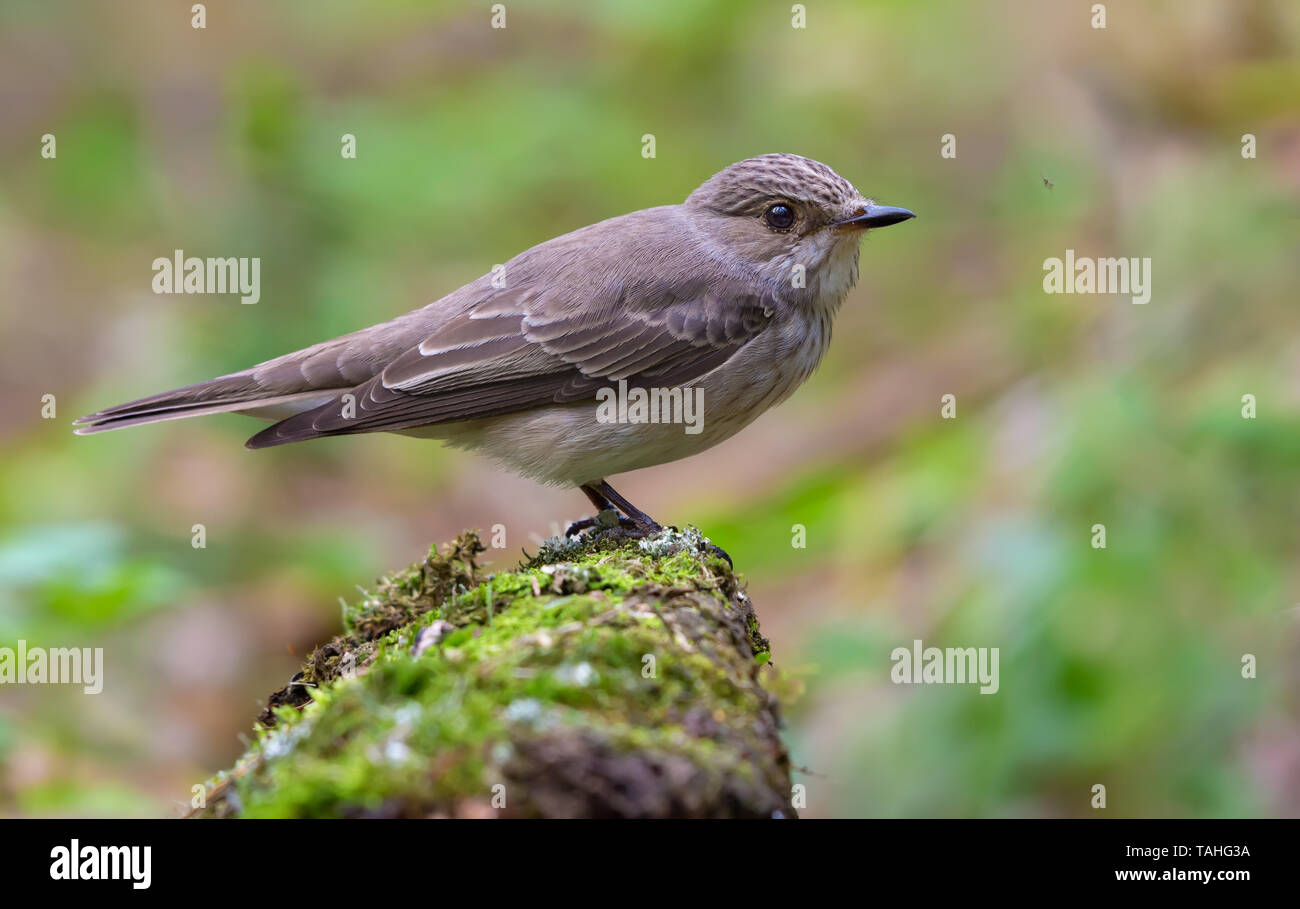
[606, 520]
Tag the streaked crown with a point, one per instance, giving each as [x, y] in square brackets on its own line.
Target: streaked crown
[747, 185]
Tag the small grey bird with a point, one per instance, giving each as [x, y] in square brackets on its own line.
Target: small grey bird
[732, 292]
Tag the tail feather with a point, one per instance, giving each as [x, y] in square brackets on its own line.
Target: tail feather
[239, 392]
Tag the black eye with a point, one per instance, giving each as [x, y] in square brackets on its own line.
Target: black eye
[779, 217]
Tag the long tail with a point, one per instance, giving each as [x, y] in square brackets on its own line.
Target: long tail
[237, 392]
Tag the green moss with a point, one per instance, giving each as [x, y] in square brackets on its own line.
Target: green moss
[603, 676]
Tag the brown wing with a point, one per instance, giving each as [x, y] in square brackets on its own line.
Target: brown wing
[515, 352]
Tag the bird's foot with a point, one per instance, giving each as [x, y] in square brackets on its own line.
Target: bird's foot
[607, 519]
[709, 546]
[715, 550]
[610, 520]
[720, 552]
[633, 522]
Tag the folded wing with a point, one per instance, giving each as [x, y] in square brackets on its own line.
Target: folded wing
[518, 351]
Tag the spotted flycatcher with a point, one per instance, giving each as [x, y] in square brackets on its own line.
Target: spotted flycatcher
[727, 297]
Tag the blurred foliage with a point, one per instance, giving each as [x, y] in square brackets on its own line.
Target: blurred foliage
[1119, 666]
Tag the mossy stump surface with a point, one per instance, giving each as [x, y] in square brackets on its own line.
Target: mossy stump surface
[606, 677]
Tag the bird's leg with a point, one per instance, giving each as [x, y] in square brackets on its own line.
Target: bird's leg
[606, 516]
[608, 504]
[643, 521]
[593, 495]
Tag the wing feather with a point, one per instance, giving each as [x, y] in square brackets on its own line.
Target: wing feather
[518, 352]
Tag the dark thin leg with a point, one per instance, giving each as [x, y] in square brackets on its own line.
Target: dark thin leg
[594, 496]
[608, 504]
[606, 516]
[647, 523]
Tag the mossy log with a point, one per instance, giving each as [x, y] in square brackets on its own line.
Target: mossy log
[605, 677]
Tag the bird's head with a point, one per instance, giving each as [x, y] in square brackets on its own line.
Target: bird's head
[775, 212]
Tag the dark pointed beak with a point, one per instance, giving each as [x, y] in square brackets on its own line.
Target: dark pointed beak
[877, 216]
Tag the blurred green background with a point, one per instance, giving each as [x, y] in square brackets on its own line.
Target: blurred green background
[1119, 666]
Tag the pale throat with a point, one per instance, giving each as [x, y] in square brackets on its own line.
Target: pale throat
[839, 272]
